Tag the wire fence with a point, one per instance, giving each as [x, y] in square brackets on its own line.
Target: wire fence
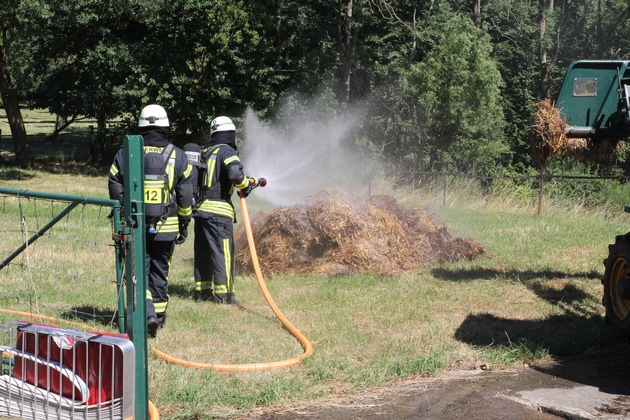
[55, 252]
[444, 182]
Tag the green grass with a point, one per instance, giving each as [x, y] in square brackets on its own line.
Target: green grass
[537, 296]
[68, 153]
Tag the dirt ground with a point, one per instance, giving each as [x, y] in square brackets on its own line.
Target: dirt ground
[591, 386]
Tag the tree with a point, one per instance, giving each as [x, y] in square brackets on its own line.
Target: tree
[87, 55]
[13, 29]
[459, 89]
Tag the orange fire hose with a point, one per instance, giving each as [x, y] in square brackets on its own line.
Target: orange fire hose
[308, 348]
[154, 414]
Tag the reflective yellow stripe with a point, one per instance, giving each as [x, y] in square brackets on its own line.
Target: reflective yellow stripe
[220, 289]
[160, 307]
[148, 295]
[113, 170]
[217, 207]
[170, 169]
[244, 183]
[228, 267]
[210, 171]
[170, 225]
[184, 211]
[203, 285]
[188, 171]
[231, 159]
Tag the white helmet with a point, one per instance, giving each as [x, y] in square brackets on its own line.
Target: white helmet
[153, 116]
[221, 124]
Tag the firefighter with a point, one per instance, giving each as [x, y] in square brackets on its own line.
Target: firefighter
[215, 217]
[168, 206]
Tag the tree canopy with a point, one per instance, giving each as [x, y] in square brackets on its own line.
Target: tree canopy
[451, 84]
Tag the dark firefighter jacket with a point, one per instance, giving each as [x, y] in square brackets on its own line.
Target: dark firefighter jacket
[179, 180]
[224, 171]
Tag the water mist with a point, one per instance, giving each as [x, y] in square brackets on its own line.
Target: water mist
[301, 156]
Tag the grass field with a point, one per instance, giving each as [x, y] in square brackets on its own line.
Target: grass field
[538, 296]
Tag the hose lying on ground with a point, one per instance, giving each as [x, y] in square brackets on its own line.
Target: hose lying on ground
[308, 348]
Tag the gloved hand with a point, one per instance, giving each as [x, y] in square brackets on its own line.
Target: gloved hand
[183, 232]
[245, 191]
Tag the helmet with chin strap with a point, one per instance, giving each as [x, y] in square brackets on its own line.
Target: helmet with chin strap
[153, 116]
[221, 124]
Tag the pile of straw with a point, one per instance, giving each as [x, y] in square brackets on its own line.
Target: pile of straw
[548, 140]
[338, 233]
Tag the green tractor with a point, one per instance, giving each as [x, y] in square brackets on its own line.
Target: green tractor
[594, 101]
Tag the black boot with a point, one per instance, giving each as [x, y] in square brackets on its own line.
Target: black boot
[152, 326]
[227, 298]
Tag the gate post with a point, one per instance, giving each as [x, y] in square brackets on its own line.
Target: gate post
[135, 267]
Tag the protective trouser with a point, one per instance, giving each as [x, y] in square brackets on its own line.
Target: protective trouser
[158, 261]
[214, 256]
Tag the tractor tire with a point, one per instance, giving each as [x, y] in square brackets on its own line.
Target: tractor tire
[617, 267]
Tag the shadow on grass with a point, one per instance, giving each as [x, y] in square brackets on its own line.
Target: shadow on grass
[570, 298]
[181, 290]
[84, 168]
[585, 350]
[560, 335]
[187, 292]
[577, 336]
[68, 155]
[56, 165]
[522, 276]
[14, 174]
[92, 316]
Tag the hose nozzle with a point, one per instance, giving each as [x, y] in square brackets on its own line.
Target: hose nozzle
[258, 182]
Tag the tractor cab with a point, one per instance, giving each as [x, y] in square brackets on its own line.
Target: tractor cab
[593, 99]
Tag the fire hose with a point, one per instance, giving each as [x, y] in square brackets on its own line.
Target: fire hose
[308, 348]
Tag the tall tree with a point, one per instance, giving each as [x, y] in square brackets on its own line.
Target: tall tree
[13, 29]
[88, 54]
[459, 88]
[350, 42]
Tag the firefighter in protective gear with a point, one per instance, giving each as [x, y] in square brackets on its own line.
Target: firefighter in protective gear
[172, 194]
[214, 215]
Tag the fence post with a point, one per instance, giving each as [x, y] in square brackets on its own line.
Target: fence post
[92, 144]
[135, 267]
[541, 186]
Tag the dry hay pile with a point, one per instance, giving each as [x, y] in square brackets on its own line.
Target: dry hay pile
[547, 139]
[338, 233]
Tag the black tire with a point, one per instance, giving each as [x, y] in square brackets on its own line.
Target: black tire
[617, 267]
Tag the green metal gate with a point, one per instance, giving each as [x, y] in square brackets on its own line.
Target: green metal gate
[71, 263]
